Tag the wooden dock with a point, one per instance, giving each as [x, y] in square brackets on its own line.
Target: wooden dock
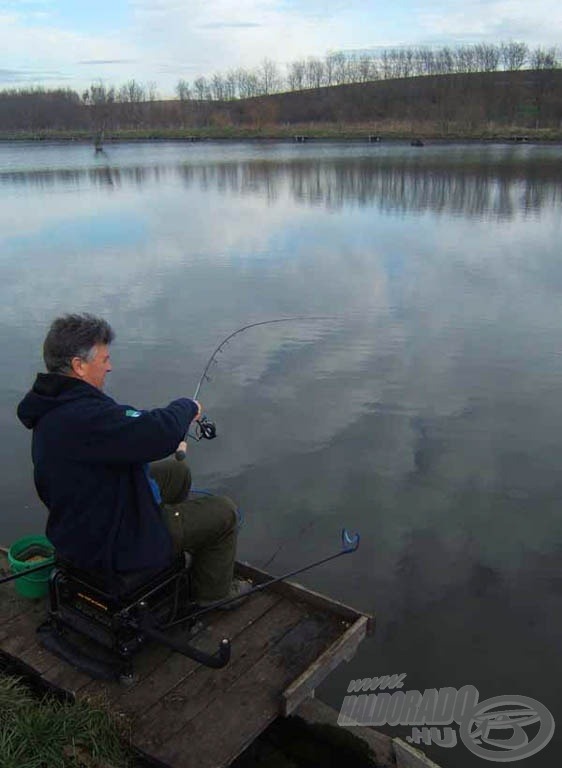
[285, 641]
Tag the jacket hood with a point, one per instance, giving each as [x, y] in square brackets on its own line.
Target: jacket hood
[50, 391]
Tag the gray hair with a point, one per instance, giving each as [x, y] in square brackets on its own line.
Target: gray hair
[74, 336]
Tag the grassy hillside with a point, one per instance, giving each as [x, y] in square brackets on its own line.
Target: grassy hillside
[475, 105]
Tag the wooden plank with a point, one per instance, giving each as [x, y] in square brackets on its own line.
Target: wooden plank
[174, 667]
[34, 655]
[18, 638]
[294, 591]
[409, 757]
[150, 659]
[230, 723]
[342, 649]
[72, 680]
[185, 714]
[186, 700]
[11, 603]
[61, 675]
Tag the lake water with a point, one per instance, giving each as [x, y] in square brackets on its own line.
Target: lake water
[424, 410]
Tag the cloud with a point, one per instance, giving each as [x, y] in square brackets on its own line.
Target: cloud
[31, 75]
[214, 35]
[96, 62]
[44, 42]
[492, 20]
[171, 39]
[9, 74]
[230, 25]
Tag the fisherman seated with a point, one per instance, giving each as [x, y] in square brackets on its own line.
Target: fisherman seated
[116, 504]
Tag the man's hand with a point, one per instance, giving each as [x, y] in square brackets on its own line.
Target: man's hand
[199, 410]
[181, 450]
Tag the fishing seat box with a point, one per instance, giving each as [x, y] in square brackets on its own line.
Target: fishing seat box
[97, 621]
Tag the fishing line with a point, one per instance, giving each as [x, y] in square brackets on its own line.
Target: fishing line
[205, 428]
[288, 540]
[246, 328]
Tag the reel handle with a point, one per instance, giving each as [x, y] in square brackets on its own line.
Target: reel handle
[205, 428]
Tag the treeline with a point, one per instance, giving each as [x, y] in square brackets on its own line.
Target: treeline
[388, 64]
[37, 109]
[470, 86]
[99, 107]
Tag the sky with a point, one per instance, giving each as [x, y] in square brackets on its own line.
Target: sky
[72, 43]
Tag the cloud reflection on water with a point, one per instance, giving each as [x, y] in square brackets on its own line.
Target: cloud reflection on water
[426, 413]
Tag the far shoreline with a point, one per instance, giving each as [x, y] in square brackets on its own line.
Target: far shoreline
[292, 134]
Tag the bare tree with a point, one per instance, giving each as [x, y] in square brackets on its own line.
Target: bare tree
[487, 56]
[407, 62]
[230, 81]
[513, 55]
[131, 96]
[426, 61]
[444, 61]
[100, 100]
[152, 91]
[248, 84]
[365, 68]
[131, 93]
[386, 65]
[542, 58]
[296, 74]
[98, 94]
[465, 59]
[217, 87]
[314, 73]
[183, 90]
[341, 68]
[269, 77]
[330, 68]
[201, 88]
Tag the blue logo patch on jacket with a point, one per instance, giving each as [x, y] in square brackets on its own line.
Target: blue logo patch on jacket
[132, 414]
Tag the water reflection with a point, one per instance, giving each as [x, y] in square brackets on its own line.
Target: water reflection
[494, 187]
[425, 414]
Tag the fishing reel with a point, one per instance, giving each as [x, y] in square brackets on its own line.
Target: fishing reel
[205, 428]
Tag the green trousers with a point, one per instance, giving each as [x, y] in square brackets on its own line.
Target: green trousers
[205, 526]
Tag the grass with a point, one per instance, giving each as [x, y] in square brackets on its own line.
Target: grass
[387, 129]
[46, 733]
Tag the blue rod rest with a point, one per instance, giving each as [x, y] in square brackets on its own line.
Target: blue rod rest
[349, 542]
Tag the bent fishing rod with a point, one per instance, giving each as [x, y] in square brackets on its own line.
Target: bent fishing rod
[205, 428]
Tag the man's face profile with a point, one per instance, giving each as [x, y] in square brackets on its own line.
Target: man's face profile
[93, 371]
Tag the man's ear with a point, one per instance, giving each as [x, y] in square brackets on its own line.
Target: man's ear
[77, 365]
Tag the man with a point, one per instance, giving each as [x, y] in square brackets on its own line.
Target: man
[109, 508]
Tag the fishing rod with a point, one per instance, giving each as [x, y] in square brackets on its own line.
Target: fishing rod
[26, 572]
[205, 428]
[350, 544]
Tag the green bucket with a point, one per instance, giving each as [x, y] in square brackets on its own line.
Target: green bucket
[26, 553]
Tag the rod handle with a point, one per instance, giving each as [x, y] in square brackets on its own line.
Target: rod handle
[181, 451]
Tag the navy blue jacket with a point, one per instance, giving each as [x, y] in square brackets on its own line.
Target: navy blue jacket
[89, 456]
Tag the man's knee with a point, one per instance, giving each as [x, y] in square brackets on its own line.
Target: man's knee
[227, 510]
[173, 478]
